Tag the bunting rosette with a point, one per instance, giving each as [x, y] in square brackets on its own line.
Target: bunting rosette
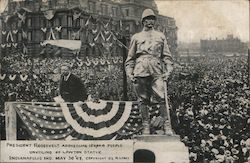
[96, 120]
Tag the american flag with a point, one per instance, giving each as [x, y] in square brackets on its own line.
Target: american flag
[101, 120]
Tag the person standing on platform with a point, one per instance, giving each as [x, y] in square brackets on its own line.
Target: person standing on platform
[71, 87]
[148, 65]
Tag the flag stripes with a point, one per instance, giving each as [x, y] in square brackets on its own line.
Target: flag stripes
[86, 127]
[103, 120]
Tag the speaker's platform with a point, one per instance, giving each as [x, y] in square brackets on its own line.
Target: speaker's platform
[166, 148]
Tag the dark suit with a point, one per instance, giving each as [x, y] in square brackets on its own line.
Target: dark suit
[72, 89]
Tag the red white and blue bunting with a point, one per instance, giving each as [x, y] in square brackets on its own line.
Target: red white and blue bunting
[97, 119]
[103, 120]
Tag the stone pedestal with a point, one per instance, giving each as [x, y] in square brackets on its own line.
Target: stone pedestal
[166, 148]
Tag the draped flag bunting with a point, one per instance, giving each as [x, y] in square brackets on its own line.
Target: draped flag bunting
[107, 24]
[15, 31]
[22, 17]
[44, 121]
[44, 30]
[2, 76]
[97, 119]
[103, 36]
[42, 44]
[12, 77]
[88, 63]
[87, 120]
[14, 45]
[97, 37]
[92, 44]
[8, 45]
[49, 14]
[106, 32]
[134, 123]
[58, 29]
[94, 31]
[109, 37]
[95, 62]
[23, 77]
[121, 25]
[76, 35]
[76, 15]
[87, 22]
[3, 45]
[25, 49]
[24, 34]
[9, 36]
[6, 19]
[51, 35]
[103, 120]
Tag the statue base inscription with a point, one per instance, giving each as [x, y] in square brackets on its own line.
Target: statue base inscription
[164, 149]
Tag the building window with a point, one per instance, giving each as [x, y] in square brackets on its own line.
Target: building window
[29, 22]
[69, 35]
[87, 51]
[127, 12]
[19, 36]
[58, 21]
[92, 6]
[59, 35]
[76, 23]
[82, 22]
[14, 24]
[43, 22]
[43, 37]
[104, 9]
[114, 11]
[30, 36]
[70, 21]
[50, 3]
[51, 23]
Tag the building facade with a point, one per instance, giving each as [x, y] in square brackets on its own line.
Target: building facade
[99, 24]
[228, 45]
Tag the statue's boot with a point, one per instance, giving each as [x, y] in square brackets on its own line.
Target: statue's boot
[167, 128]
[145, 119]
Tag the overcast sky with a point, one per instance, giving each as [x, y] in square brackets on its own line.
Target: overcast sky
[198, 19]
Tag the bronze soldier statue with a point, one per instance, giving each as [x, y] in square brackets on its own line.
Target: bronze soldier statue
[148, 66]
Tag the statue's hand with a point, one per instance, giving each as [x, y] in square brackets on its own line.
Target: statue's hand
[132, 78]
[165, 76]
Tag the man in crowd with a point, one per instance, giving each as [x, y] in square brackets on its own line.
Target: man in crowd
[71, 87]
[148, 64]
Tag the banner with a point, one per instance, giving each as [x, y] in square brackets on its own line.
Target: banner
[69, 44]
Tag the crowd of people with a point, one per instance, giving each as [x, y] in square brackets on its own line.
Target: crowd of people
[103, 80]
[209, 97]
[211, 109]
